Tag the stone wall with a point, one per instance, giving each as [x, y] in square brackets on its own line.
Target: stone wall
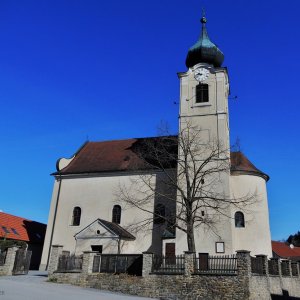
[242, 285]
[162, 286]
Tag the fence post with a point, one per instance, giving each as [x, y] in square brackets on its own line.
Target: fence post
[56, 251]
[147, 263]
[189, 263]
[263, 259]
[243, 263]
[87, 261]
[10, 260]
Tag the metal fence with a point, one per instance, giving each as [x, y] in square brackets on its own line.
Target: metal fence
[2, 258]
[218, 264]
[168, 264]
[22, 262]
[273, 266]
[118, 263]
[294, 266]
[285, 268]
[257, 265]
[69, 263]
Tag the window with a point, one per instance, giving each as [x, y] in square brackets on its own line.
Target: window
[202, 93]
[5, 229]
[76, 216]
[116, 214]
[14, 231]
[239, 219]
[159, 214]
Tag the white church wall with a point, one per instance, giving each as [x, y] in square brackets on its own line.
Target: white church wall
[96, 197]
[255, 236]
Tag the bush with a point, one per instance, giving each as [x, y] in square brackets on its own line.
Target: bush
[4, 244]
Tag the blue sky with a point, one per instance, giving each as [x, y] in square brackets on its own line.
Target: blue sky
[101, 70]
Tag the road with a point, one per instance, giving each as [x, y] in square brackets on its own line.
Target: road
[34, 286]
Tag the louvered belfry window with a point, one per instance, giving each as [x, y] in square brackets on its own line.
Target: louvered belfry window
[202, 93]
[116, 214]
[76, 216]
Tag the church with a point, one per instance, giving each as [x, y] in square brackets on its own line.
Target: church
[166, 194]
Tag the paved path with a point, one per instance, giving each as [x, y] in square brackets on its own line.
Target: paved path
[34, 286]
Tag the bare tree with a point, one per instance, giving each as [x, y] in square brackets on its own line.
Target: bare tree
[188, 175]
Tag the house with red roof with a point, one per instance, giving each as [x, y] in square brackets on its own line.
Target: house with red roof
[285, 251]
[21, 229]
[115, 196]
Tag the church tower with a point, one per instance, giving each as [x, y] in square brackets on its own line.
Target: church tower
[204, 90]
[229, 202]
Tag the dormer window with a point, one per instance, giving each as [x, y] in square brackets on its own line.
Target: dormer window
[202, 93]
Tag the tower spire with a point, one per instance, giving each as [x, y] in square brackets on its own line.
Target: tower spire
[204, 51]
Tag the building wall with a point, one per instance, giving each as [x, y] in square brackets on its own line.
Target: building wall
[96, 196]
[256, 235]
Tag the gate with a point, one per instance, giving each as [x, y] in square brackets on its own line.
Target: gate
[22, 262]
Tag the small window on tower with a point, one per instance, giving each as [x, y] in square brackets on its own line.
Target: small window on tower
[202, 93]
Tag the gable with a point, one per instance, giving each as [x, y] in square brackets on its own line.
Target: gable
[101, 229]
[95, 231]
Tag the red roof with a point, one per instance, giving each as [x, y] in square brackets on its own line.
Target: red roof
[284, 250]
[124, 155]
[17, 228]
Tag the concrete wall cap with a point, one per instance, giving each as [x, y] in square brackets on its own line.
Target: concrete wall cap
[242, 251]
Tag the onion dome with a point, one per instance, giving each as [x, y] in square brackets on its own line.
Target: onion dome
[204, 51]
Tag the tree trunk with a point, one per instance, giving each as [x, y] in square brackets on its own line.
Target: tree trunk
[190, 237]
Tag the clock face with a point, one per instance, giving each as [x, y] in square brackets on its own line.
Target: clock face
[201, 74]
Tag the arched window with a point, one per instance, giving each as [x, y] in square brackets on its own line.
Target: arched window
[202, 93]
[239, 219]
[76, 216]
[116, 214]
[159, 214]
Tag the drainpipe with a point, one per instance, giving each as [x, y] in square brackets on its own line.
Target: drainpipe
[54, 219]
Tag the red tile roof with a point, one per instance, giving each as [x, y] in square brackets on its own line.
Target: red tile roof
[284, 250]
[240, 164]
[123, 155]
[17, 228]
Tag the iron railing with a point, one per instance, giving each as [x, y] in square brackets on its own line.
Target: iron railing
[257, 265]
[295, 269]
[285, 268]
[217, 264]
[2, 258]
[69, 263]
[168, 264]
[118, 263]
[273, 266]
[22, 262]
